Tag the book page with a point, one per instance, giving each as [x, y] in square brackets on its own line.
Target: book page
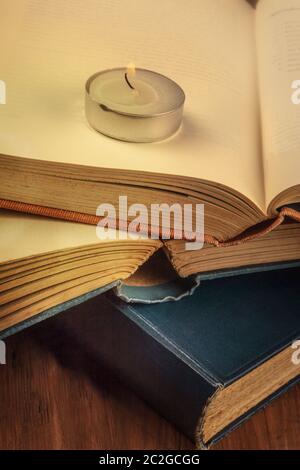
[22, 235]
[50, 48]
[278, 45]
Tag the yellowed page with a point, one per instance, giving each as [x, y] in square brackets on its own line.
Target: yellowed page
[24, 235]
[51, 47]
[278, 45]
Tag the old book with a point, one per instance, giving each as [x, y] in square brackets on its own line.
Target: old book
[205, 379]
[45, 263]
[207, 362]
[237, 150]
[48, 266]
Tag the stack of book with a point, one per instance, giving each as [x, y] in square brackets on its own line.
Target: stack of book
[224, 348]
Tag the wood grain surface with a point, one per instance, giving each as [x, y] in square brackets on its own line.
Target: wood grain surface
[54, 394]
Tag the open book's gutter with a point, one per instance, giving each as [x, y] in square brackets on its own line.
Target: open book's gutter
[89, 219]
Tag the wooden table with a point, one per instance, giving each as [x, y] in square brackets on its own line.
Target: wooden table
[55, 395]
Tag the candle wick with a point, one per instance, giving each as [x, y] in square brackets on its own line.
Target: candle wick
[128, 82]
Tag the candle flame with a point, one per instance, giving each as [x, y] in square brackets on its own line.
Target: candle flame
[130, 70]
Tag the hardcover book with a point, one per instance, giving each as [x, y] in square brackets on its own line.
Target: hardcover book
[47, 266]
[209, 361]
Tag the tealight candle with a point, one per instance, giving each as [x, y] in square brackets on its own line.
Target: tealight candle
[134, 105]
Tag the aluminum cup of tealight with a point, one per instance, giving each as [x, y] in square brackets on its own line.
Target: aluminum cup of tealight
[134, 105]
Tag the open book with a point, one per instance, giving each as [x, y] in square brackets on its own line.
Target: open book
[238, 150]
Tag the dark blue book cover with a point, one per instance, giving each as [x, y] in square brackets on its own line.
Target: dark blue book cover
[210, 360]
